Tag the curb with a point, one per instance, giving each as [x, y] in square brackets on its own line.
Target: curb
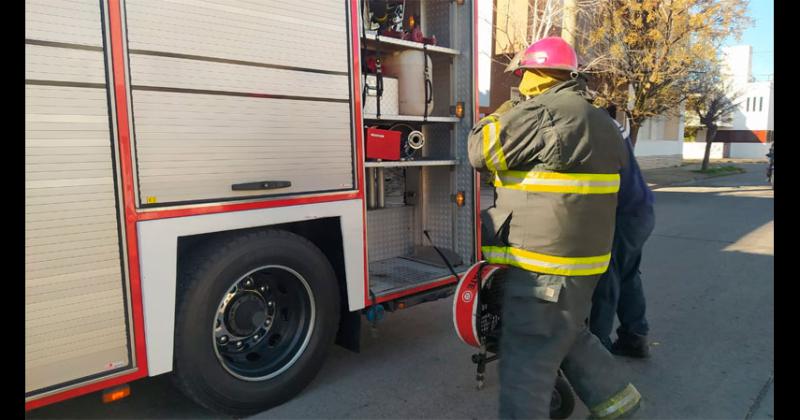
[691, 181]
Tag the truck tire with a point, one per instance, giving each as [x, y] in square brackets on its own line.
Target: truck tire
[563, 401]
[256, 316]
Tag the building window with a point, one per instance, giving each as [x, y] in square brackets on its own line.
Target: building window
[760, 103]
[747, 109]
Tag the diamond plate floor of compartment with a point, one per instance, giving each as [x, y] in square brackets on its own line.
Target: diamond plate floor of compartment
[396, 274]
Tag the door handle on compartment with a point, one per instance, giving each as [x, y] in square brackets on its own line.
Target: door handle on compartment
[261, 185]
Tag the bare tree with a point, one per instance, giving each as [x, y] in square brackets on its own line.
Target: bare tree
[542, 18]
[713, 99]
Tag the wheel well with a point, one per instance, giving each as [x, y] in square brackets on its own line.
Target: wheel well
[326, 234]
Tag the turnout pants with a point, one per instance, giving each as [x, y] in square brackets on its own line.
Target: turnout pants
[544, 327]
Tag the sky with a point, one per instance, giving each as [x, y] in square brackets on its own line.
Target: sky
[761, 37]
[484, 49]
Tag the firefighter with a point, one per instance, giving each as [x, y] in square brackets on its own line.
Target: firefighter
[555, 160]
[619, 292]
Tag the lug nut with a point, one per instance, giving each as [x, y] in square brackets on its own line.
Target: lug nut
[262, 288]
[238, 344]
[268, 321]
[223, 339]
[255, 337]
[269, 303]
[248, 282]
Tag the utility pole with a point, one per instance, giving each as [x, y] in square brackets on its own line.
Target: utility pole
[569, 22]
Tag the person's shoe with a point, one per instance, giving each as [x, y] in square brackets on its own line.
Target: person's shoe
[635, 346]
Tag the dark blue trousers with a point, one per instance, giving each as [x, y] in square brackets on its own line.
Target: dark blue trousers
[619, 291]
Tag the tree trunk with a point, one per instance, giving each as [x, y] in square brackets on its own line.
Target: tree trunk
[711, 132]
[634, 134]
[569, 19]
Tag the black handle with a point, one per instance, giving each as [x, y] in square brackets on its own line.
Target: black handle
[261, 185]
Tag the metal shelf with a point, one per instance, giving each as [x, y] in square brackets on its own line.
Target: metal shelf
[414, 118]
[406, 163]
[402, 44]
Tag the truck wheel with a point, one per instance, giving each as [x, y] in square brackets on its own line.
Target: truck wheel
[256, 316]
[563, 401]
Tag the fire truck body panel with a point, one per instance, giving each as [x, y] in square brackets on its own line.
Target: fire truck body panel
[150, 122]
[75, 243]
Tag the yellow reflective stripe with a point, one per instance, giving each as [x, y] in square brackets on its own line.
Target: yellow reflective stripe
[496, 146]
[486, 147]
[549, 264]
[617, 405]
[561, 189]
[562, 175]
[558, 182]
[492, 149]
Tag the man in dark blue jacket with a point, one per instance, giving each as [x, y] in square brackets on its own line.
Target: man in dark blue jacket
[619, 292]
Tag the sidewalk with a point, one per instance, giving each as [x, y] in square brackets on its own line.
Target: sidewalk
[662, 177]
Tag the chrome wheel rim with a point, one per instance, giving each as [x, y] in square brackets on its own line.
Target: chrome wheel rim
[263, 323]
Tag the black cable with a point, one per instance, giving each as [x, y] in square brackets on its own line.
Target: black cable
[428, 83]
[452, 270]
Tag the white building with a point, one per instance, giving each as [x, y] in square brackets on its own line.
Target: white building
[747, 132]
[660, 142]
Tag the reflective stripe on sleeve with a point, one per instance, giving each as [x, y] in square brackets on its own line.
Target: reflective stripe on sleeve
[492, 149]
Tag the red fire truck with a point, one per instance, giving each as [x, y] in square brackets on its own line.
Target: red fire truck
[201, 198]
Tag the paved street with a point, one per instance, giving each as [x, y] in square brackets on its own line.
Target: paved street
[708, 273]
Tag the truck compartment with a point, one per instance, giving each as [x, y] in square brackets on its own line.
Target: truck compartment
[420, 192]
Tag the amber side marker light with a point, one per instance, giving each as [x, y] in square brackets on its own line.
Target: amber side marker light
[459, 109]
[459, 199]
[115, 394]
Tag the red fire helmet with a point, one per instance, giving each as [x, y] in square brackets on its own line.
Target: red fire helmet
[547, 53]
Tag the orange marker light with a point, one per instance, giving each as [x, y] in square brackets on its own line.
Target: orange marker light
[460, 109]
[460, 199]
[411, 22]
[115, 394]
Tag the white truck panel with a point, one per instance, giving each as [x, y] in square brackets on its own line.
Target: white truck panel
[72, 242]
[68, 21]
[158, 246]
[66, 264]
[309, 33]
[199, 128]
[183, 73]
[229, 92]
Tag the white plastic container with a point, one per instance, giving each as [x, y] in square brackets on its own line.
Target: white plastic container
[389, 100]
[409, 68]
